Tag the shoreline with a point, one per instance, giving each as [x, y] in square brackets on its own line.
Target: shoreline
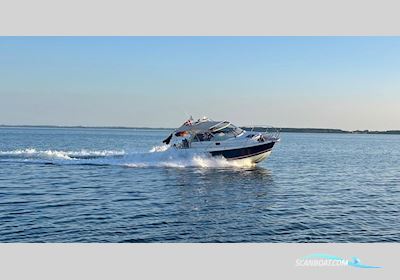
[284, 129]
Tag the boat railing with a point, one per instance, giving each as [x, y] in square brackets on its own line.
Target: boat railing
[270, 132]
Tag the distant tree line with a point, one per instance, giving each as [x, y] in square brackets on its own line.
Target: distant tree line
[322, 130]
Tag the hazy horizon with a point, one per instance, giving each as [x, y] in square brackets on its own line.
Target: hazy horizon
[155, 127]
[349, 83]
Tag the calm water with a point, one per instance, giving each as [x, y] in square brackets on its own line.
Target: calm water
[110, 185]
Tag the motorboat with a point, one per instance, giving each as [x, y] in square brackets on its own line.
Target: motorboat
[224, 139]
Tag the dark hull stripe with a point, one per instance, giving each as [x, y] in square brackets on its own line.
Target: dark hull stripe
[247, 156]
[244, 152]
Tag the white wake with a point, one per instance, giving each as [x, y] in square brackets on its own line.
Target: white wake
[158, 156]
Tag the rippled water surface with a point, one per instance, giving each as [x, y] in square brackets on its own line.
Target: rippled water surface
[120, 185]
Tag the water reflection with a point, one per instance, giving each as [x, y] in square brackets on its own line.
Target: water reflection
[214, 198]
[219, 178]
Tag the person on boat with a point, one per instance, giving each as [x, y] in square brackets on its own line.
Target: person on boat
[185, 143]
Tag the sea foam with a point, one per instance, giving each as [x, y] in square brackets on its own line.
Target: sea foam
[157, 156]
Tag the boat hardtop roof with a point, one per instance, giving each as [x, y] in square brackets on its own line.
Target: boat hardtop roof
[203, 125]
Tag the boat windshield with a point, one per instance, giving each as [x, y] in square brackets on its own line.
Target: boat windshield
[230, 129]
[227, 132]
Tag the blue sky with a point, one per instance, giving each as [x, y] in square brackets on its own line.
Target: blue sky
[333, 82]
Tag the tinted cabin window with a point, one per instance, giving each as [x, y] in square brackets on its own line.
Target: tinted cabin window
[200, 137]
